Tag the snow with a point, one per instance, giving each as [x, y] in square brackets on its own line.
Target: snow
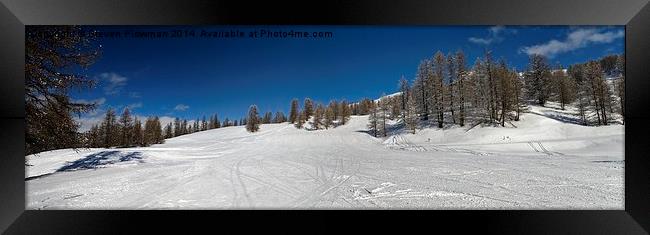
[545, 162]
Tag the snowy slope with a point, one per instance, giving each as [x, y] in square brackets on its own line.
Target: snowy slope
[543, 164]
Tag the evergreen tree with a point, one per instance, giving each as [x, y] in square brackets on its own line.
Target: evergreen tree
[217, 123]
[204, 124]
[252, 122]
[267, 118]
[279, 117]
[300, 120]
[111, 129]
[537, 79]
[293, 113]
[169, 131]
[177, 127]
[138, 134]
[127, 124]
[308, 108]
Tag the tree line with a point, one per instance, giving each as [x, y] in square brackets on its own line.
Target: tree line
[445, 91]
[320, 116]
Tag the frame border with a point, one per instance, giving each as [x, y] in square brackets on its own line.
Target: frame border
[634, 14]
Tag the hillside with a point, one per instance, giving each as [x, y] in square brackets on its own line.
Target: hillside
[546, 162]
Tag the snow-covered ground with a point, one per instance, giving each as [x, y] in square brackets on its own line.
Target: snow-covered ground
[545, 162]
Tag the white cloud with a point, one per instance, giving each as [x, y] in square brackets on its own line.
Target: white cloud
[181, 107]
[495, 35]
[576, 39]
[115, 83]
[134, 106]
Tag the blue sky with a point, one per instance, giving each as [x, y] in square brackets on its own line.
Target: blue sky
[190, 77]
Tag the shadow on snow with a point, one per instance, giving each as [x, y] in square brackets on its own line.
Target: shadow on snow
[100, 159]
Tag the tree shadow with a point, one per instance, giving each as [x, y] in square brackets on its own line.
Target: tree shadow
[100, 159]
[561, 118]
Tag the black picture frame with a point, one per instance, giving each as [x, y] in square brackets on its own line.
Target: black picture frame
[634, 14]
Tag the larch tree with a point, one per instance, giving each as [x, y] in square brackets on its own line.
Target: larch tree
[410, 115]
[318, 117]
[460, 75]
[422, 89]
[329, 117]
[373, 121]
[404, 88]
[451, 79]
[345, 112]
[437, 76]
[620, 85]
[55, 59]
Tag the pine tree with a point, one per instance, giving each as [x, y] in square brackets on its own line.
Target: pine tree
[157, 130]
[279, 117]
[169, 131]
[138, 134]
[293, 113]
[308, 108]
[252, 122]
[184, 129]
[267, 118]
[204, 124]
[110, 129]
[300, 120]
[195, 126]
[127, 124]
[51, 55]
[537, 79]
[177, 127]
[217, 123]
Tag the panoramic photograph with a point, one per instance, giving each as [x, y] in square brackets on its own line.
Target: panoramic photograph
[494, 117]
